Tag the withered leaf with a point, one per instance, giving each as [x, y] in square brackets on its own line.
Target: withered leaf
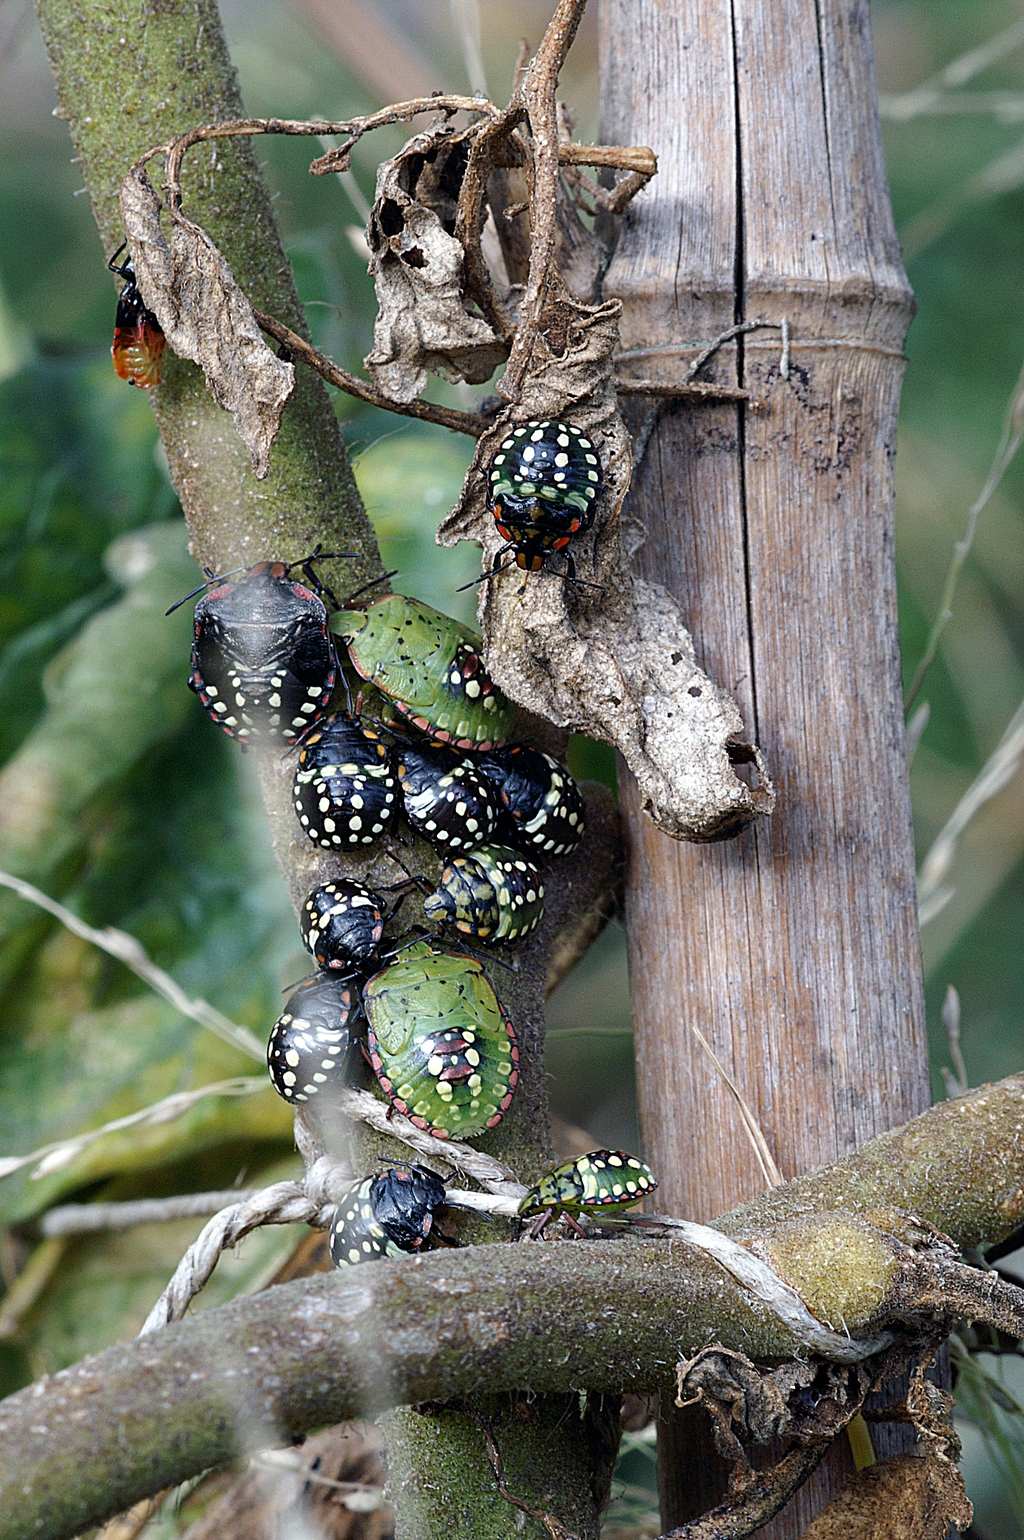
[911, 1497]
[206, 317]
[616, 660]
[423, 324]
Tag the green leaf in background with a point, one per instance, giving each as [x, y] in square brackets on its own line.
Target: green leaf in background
[409, 478]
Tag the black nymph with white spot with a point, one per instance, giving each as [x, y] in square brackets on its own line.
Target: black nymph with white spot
[342, 925]
[315, 1048]
[543, 806]
[388, 1215]
[263, 660]
[345, 786]
[542, 485]
[447, 799]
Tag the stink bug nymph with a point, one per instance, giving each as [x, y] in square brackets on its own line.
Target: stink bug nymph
[430, 668]
[447, 799]
[386, 1216]
[345, 786]
[342, 925]
[314, 1049]
[444, 1052]
[543, 804]
[139, 341]
[405, 1200]
[263, 661]
[542, 487]
[493, 895]
[601, 1182]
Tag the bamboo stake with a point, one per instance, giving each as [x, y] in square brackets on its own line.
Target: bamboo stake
[794, 948]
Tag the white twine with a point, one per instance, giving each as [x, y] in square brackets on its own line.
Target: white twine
[312, 1202]
[755, 1275]
[491, 1174]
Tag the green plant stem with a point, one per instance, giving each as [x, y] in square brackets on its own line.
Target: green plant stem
[131, 74]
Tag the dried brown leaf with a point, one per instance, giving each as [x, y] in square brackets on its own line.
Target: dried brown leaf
[424, 325]
[618, 664]
[206, 317]
[806, 1400]
[911, 1497]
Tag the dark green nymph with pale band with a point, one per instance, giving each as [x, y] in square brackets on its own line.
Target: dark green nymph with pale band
[600, 1182]
[493, 895]
[542, 486]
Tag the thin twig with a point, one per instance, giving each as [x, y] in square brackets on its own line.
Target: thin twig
[536, 98]
[117, 943]
[637, 158]
[484, 154]
[86, 1218]
[741, 330]
[175, 150]
[472, 423]
[689, 382]
[687, 390]
[555, 1528]
[1009, 443]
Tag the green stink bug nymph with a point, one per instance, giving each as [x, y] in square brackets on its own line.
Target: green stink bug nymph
[600, 1182]
[431, 667]
[444, 1052]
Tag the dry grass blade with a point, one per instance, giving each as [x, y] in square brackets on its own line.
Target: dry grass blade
[919, 720]
[1006, 451]
[769, 1170]
[1004, 106]
[922, 99]
[466, 26]
[957, 1083]
[117, 943]
[933, 893]
[62, 1152]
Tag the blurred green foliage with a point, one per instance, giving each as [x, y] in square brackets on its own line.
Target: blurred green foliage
[118, 798]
